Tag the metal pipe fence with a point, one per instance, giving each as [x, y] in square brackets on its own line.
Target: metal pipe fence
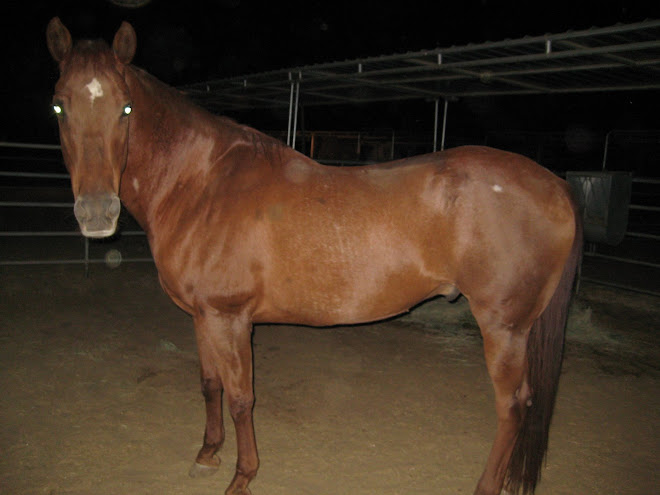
[51, 180]
[650, 210]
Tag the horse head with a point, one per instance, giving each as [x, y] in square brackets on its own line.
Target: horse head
[93, 105]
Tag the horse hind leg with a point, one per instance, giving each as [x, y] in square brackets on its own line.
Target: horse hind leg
[505, 351]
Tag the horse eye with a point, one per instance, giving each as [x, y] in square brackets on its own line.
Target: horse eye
[127, 109]
[57, 109]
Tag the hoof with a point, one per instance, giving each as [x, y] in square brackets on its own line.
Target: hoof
[238, 491]
[198, 470]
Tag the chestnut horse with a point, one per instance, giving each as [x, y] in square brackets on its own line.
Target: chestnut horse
[245, 230]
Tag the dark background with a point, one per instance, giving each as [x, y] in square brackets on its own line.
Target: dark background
[189, 41]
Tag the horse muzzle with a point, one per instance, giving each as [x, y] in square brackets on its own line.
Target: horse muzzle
[97, 214]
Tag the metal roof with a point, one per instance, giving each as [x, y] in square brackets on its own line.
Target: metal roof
[616, 58]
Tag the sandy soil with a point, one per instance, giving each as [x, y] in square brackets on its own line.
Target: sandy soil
[100, 394]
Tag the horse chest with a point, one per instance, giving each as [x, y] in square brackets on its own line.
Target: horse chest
[200, 272]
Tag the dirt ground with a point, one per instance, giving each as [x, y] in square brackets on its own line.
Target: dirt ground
[100, 395]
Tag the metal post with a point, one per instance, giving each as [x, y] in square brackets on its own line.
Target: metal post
[288, 128]
[444, 126]
[86, 257]
[435, 127]
[295, 116]
[607, 144]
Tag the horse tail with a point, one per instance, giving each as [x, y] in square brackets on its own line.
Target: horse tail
[544, 357]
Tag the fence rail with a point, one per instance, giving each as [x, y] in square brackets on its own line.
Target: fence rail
[85, 259]
[50, 153]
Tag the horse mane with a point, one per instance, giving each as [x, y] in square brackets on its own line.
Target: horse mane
[196, 114]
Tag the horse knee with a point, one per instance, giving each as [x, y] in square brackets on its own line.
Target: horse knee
[210, 387]
[241, 405]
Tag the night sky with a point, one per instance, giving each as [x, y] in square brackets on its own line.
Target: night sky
[193, 40]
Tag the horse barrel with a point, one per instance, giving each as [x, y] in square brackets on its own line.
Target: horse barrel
[604, 198]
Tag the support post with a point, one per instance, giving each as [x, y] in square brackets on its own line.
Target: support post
[435, 126]
[607, 145]
[86, 257]
[444, 126]
[295, 116]
[293, 111]
[288, 128]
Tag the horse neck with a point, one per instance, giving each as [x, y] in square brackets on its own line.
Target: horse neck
[164, 131]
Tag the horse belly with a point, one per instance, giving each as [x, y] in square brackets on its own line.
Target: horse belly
[349, 296]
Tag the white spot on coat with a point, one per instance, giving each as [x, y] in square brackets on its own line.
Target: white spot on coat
[136, 184]
[497, 188]
[95, 89]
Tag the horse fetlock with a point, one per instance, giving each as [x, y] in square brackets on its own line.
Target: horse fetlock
[239, 485]
[247, 473]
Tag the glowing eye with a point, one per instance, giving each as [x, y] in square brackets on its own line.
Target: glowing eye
[128, 109]
[57, 109]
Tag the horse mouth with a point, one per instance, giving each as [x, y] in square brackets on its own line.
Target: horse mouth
[97, 234]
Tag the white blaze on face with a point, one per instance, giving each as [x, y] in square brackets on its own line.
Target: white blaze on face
[95, 90]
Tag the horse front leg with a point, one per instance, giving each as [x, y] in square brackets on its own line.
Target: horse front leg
[225, 351]
[207, 462]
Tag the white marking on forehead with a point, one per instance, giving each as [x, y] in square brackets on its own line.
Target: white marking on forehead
[95, 89]
[136, 184]
[497, 188]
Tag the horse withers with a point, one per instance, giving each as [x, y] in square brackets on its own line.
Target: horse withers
[245, 230]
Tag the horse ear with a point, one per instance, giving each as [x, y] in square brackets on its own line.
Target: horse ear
[124, 43]
[59, 39]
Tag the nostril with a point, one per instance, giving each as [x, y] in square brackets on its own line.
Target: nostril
[114, 207]
[80, 210]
